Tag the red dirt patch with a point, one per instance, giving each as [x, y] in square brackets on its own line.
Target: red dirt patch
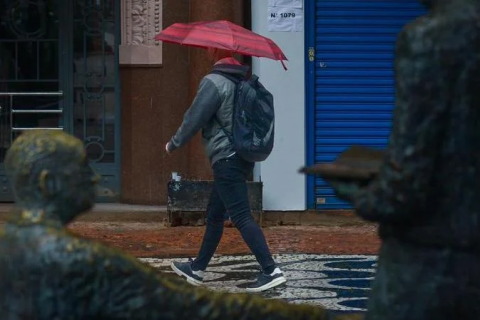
[147, 240]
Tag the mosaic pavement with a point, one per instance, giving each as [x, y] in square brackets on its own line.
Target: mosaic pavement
[340, 283]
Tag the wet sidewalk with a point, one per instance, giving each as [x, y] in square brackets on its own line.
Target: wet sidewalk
[340, 283]
[330, 263]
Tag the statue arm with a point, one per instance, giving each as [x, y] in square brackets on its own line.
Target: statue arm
[401, 190]
[132, 290]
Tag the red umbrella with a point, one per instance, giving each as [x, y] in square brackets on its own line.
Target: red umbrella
[223, 35]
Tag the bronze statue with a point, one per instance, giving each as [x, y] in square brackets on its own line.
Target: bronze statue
[426, 196]
[48, 273]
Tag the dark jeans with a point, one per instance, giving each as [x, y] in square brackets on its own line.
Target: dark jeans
[230, 194]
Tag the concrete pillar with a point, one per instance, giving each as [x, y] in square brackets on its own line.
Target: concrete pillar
[153, 100]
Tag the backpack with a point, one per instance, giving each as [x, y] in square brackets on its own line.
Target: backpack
[253, 123]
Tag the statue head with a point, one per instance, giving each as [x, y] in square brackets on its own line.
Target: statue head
[50, 175]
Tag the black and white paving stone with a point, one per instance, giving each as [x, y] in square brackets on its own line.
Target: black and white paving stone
[337, 282]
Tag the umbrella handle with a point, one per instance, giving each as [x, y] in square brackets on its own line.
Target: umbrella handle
[283, 64]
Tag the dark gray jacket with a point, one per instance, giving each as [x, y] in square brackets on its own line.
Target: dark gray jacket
[211, 110]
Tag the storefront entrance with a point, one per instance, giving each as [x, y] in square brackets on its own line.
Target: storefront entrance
[351, 47]
[59, 71]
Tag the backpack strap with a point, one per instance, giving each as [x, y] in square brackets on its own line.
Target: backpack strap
[236, 81]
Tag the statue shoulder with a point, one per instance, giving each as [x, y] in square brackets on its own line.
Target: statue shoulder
[103, 257]
[441, 33]
[432, 40]
[419, 34]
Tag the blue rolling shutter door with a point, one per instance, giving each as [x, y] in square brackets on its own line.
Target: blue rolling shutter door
[354, 88]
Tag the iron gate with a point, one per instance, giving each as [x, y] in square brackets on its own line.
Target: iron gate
[59, 71]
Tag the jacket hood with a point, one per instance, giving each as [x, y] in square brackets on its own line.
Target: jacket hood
[233, 69]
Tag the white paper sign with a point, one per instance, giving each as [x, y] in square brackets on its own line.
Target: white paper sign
[281, 19]
[286, 3]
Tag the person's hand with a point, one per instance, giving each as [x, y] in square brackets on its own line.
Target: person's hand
[167, 149]
[345, 190]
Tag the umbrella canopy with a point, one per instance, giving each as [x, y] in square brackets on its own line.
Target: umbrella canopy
[224, 35]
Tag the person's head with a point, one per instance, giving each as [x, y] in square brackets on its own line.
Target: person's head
[218, 54]
[49, 172]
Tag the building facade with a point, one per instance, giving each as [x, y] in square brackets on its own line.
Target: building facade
[92, 68]
[338, 91]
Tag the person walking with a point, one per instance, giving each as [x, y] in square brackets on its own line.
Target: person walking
[211, 112]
